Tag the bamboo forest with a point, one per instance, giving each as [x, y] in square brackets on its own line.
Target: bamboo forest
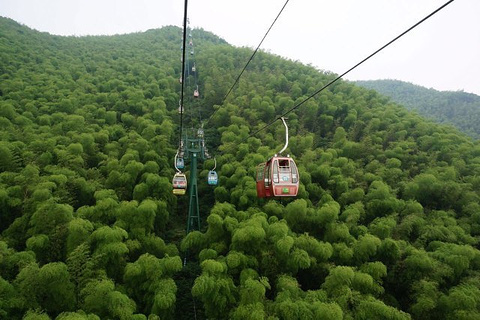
[385, 223]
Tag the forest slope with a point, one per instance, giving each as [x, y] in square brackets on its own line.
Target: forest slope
[460, 109]
[386, 224]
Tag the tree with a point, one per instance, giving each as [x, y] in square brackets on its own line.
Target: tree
[108, 245]
[215, 288]
[48, 287]
[149, 281]
[375, 309]
[380, 202]
[101, 298]
[50, 215]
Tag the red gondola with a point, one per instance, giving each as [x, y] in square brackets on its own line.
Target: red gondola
[196, 94]
[278, 177]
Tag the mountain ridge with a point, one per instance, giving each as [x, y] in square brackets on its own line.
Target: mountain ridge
[386, 223]
[461, 109]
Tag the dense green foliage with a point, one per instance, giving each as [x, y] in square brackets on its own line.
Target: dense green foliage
[386, 224]
[458, 108]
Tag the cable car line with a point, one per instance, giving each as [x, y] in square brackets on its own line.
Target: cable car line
[250, 59]
[348, 71]
[190, 71]
[179, 181]
[182, 109]
[340, 76]
[193, 68]
[271, 173]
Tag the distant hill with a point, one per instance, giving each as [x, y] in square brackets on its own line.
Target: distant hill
[458, 108]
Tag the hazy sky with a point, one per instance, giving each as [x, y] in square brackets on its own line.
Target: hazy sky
[442, 53]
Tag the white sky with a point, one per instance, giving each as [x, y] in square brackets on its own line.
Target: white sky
[442, 53]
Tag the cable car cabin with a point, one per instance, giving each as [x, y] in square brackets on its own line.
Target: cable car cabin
[212, 178]
[278, 177]
[196, 94]
[180, 163]
[179, 183]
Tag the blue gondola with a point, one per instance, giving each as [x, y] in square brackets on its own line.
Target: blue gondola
[180, 163]
[212, 178]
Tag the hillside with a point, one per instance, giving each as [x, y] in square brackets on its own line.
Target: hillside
[386, 224]
[458, 108]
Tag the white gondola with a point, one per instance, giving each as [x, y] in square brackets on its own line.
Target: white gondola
[179, 184]
[200, 133]
[179, 181]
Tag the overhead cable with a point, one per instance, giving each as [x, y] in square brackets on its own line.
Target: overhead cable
[349, 70]
[250, 59]
[182, 109]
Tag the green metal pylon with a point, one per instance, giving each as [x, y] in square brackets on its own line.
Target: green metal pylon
[194, 151]
[193, 222]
